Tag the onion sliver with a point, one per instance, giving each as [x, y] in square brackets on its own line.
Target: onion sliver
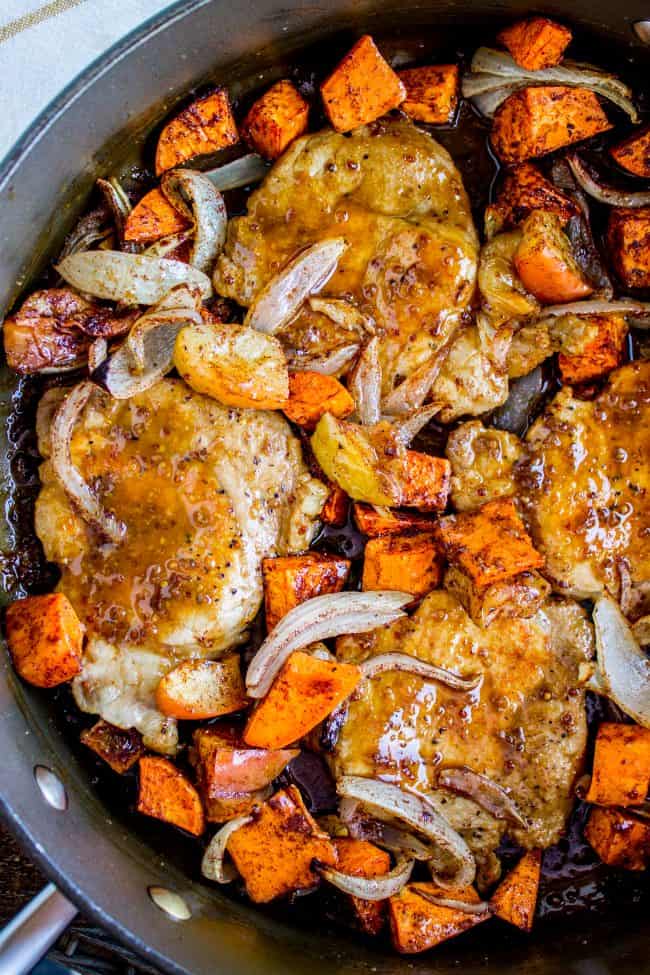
[306, 274]
[621, 306]
[97, 353]
[602, 192]
[193, 195]
[244, 171]
[333, 364]
[623, 666]
[453, 903]
[118, 203]
[369, 888]
[67, 474]
[386, 662]
[130, 278]
[167, 245]
[212, 865]
[409, 425]
[179, 307]
[364, 383]
[343, 313]
[319, 619]
[482, 790]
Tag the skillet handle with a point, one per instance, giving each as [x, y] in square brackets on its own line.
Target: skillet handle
[24, 941]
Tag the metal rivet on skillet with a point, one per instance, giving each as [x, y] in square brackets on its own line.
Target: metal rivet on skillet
[642, 30]
[170, 903]
[52, 788]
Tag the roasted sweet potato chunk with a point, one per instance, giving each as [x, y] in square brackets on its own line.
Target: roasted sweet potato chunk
[45, 639]
[425, 482]
[362, 859]
[535, 121]
[290, 580]
[633, 154]
[525, 189]
[520, 596]
[336, 507]
[545, 263]
[619, 838]
[489, 544]
[410, 563]
[621, 771]
[198, 130]
[275, 120]
[199, 689]
[274, 853]
[431, 93]
[600, 355]
[376, 521]
[628, 239]
[515, 899]
[361, 88]
[120, 749]
[152, 218]
[416, 924]
[311, 395]
[166, 794]
[536, 43]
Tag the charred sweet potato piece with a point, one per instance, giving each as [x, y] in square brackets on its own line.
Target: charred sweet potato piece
[545, 263]
[535, 121]
[274, 853]
[45, 639]
[362, 859]
[118, 748]
[305, 691]
[152, 218]
[489, 544]
[431, 93]
[361, 88]
[198, 689]
[335, 509]
[515, 899]
[633, 154]
[526, 189]
[619, 838]
[628, 239]
[198, 130]
[166, 794]
[425, 482]
[375, 521]
[275, 120]
[520, 596]
[291, 579]
[44, 334]
[311, 395]
[410, 563]
[536, 43]
[621, 771]
[602, 354]
[416, 924]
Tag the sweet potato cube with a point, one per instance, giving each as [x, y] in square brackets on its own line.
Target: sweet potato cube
[426, 482]
[362, 88]
[633, 154]
[431, 93]
[535, 121]
[205, 126]
[336, 507]
[489, 544]
[536, 43]
[274, 853]
[375, 521]
[275, 120]
[166, 794]
[152, 218]
[305, 691]
[628, 239]
[519, 596]
[45, 639]
[291, 579]
[545, 263]
[362, 859]
[410, 563]
[200, 689]
[311, 395]
[621, 772]
[416, 924]
[525, 189]
[118, 748]
[515, 899]
[619, 838]
[602, 354]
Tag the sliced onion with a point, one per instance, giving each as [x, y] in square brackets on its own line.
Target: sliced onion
[482, 907]
[409, 425]
[94, 228]
[194, 196]
[244, 171]
[602, 192]
[485, 792]
[319, 619]
[622, 306]
[67, 474]
[306, 274]
[97, 352]
[386, 662]
[369, 888]
[179, 307]
[167, 245]
[130, 278]
[118, 203]
[333, 364]
[364, 383]
[412, 392]
[212, 865]
[385, 801]
[623, 666]
[343, 313]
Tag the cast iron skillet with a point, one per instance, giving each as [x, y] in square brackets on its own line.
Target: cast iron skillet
[93, 858]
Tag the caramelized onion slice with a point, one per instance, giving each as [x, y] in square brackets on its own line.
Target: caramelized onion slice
[621, 306]
[485, 792]
[319, 619]
[278, 302]
[369, 888]
[193, 195]
[453, 903]
[118, 203]
[364, 383]
[244, 171]
[213, 866]
[67, 474]
[602, 192]
[386, 662]
[343, 313]
[130, 278]
[408, 425]
[623, 666]
[333, 364]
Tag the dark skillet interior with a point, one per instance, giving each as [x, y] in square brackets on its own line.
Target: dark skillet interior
[589, 918]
